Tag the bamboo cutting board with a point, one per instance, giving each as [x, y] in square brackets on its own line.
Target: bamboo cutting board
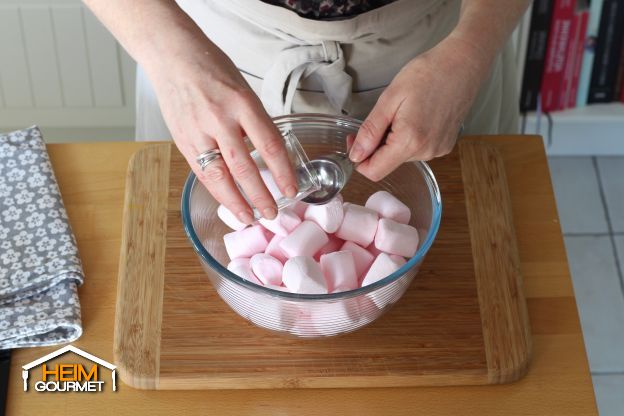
[462, 321]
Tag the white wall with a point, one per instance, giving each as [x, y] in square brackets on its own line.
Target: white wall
[62, 70]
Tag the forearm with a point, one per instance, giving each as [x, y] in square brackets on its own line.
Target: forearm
[150, 30]
[485, 25]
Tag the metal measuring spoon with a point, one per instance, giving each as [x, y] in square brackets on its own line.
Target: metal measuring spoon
[333, 172]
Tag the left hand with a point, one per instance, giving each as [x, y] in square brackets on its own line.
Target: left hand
[423, 109]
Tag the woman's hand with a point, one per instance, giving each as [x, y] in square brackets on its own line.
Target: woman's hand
[422, 109]
[205, 101]
[208, 105]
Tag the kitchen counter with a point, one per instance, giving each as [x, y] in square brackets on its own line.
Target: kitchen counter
[92, 176]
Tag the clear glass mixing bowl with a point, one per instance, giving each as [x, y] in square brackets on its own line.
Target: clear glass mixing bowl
[304, 315]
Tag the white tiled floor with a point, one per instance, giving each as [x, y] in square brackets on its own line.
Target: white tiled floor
[577, 190]
[590, 199]
[611, 171]
[609, 393]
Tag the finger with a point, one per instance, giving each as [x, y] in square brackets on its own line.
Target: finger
[350, 141]
[270, 144]
[372, 130]
[218, 181]
[245, 172]
[386, 159]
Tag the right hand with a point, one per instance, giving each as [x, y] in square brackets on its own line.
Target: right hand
[207, 104]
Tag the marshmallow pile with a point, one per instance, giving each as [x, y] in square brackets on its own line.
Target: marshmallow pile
[320, 249]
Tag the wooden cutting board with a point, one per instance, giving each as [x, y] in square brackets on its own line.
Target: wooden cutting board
[462, 321]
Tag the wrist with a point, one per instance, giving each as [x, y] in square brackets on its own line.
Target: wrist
[469, 53]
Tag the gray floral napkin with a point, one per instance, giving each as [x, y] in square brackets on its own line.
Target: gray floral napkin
[39, 265]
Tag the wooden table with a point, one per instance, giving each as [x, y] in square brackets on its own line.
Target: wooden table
[91, 178]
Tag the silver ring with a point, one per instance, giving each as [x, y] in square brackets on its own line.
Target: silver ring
[461, 130]
[207, 157]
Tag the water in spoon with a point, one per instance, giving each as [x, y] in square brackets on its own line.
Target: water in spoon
[332, 172]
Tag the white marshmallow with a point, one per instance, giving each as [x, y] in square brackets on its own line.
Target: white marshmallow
[389, 294]
[339, 271]
[285, 221]
[267, 269]
[242, 268]
[358, 225]
[267, 178]
[362, 258]
[229, 218]
[382, 267]
[273, 249]
[269, 312]
[246, 242]
[395, 238]
[368, 309]
[389, 206]
[305, 240]
[336, 317]
[304, 275]
[328, 216]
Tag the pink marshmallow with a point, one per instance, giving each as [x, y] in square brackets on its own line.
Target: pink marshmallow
[328, 216]
[359, 225]
[267, 233]
[305, 240]
[304, 275]
[398, 259]
[230, 219]
[280, 288]
[246, 242]
[285, 221]
[334, 244]
[373, 250]
[395, 238]
[304, 326]
[267, 178]
[267, 269]
[389, 206]
[242, 268]
[339, 271]
[362, 257]
[274, 250]
[300, 208]
[381, 267]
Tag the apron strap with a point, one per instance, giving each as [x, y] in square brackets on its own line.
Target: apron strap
[300, 61]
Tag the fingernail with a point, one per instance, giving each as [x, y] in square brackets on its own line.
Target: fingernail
[357, 153]
[291, 191]
[269, 213]
[245, 217]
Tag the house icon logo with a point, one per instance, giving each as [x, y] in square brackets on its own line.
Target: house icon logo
[68, 377]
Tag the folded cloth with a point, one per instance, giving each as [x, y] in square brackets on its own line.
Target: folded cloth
[40, 270]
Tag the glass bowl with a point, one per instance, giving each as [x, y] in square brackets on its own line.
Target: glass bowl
[305, 315]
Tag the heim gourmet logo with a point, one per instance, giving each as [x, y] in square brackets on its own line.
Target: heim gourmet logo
[69, 377]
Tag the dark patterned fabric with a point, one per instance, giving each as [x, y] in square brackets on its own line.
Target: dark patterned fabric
[329, 9]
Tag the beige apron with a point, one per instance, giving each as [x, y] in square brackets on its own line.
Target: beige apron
[339, 66]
